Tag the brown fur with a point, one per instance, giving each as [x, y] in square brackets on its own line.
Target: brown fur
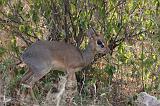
[42, 56]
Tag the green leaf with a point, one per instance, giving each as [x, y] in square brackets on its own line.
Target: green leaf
[121, 48]
[142, 56]
[110, 70]
[21, 28]
[14, 46]
[2, 51]
[35, 17]
[159, 49]
[28, 30]
[3, 2]
[20, 6]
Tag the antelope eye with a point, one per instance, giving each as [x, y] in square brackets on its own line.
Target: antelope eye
[100, 43]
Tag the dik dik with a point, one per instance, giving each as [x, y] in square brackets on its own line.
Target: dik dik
[42, 56]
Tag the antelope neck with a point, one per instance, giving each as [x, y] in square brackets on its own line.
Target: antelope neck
[88, 54]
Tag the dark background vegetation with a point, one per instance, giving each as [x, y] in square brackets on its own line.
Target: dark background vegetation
[131, 29]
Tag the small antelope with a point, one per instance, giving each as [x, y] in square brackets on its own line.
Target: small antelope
[42, 56]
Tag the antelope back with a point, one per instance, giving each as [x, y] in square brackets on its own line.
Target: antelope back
[53, 54]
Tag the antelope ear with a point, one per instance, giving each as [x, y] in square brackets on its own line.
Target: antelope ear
[90, 33]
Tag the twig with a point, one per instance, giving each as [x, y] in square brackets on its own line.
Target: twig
[66, 9]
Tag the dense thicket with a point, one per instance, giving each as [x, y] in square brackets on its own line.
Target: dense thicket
[131, 28]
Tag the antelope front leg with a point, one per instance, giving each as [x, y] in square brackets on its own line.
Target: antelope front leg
[71, 88]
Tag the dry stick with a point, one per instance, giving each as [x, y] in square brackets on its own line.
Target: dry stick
[80, 37]
[18, 34]
[119, 3]
[57, 96]
[72, 23]
[84, 78]
[62, 89]
[119, 30]
[143, 86]
[104, 18]
[131, 35]
[125, 24]
[12, 8]
[66, 9]
[54, 23]
[10, 23]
